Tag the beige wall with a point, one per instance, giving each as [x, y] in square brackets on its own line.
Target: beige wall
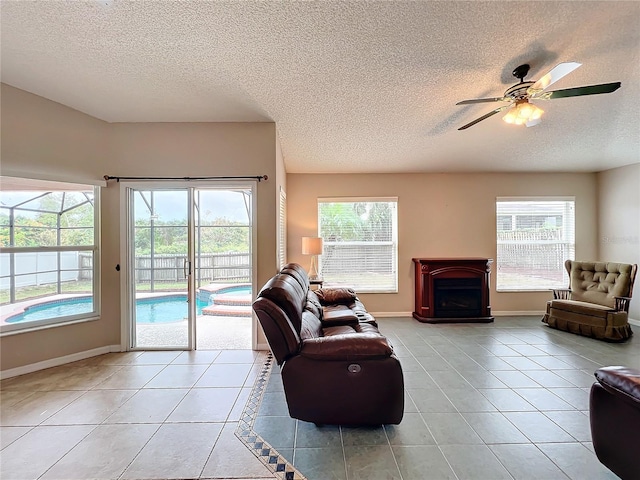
[442, 215]
[619, 221]
[43, 137]
[46, 139]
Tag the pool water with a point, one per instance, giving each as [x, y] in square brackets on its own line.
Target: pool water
[165, 309]
[148, 310]
[241, 290]
[58, 308]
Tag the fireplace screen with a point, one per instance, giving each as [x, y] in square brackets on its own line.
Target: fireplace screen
[457, 297]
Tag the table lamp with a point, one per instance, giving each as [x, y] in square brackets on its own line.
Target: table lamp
[312, 246]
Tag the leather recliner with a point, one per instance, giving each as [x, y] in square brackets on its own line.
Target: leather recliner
[337, 368]
[614, 412]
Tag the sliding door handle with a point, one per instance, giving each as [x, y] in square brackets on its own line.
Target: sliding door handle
[186, 268]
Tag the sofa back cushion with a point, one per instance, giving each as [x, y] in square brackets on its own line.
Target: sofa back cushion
[298, 273]
[600, 282]
[285, 292]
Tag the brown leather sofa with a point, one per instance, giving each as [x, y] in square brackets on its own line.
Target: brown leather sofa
[337, 368]
[596, 304]
[614, 410]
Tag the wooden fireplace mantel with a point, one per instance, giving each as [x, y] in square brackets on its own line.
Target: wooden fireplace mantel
[452, 290]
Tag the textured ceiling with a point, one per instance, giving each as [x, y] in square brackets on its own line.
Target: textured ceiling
[352, 86]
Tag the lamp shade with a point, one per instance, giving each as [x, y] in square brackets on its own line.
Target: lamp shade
[311, 245]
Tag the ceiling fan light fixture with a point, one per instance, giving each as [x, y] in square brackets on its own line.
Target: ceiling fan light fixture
[523, 112]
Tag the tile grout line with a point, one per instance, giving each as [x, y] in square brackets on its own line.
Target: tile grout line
[268, 456]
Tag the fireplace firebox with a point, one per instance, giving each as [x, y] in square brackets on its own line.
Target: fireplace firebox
[452, 290]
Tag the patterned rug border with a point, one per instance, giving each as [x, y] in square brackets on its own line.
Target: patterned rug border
[268, 456]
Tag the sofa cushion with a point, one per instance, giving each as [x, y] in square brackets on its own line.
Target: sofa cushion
[311, 326]
[313, 304]
[297, 272]
[329, 296]
[354, 346]
[285, 292]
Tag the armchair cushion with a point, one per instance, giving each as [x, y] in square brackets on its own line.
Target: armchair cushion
[599, 282]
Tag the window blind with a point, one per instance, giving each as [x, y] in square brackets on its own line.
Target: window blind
[534, 237]
[282, 229]
[360, 243]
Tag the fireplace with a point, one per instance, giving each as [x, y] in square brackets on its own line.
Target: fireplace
[452, 290]
[457, 297]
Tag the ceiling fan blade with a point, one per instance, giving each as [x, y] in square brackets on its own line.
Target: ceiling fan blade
[484, 117]
[483, 100]
[586, 90]
[554, 75]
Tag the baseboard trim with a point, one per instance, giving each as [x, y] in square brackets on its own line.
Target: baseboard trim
[55, 362]
[518, 313]
[515, 313]
[633, 321]
[390, 314]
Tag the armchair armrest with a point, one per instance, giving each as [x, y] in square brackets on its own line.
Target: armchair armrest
[349, 346]
[622, 382]
[561, 293]
[622, 304]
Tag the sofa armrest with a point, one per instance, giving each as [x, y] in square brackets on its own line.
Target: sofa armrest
[623, 382]
[561, 293]
[335, 315]
[348, 346]
[622, 304]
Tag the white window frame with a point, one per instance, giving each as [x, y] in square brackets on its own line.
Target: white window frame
[21, 327]
[364, 287]
[564, 246]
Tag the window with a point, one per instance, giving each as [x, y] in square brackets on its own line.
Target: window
[49, 258]
[360, 243]
[534, 238]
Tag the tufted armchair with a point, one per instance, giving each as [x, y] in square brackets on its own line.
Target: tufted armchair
[596, 304]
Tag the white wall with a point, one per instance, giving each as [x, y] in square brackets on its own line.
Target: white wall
[619, 221]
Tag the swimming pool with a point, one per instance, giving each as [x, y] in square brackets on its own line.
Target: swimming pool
[151, 310]
[166, 309]
[53, 309]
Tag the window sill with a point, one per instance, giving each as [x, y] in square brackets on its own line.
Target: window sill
[4, 332]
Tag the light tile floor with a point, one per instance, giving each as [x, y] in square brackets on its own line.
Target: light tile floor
[501, 400]
[135, 415]
[507, 400]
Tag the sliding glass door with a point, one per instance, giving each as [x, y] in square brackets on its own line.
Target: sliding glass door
[189, 266]
[161, 274]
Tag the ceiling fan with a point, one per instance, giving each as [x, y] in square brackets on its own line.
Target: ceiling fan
[520, 109]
